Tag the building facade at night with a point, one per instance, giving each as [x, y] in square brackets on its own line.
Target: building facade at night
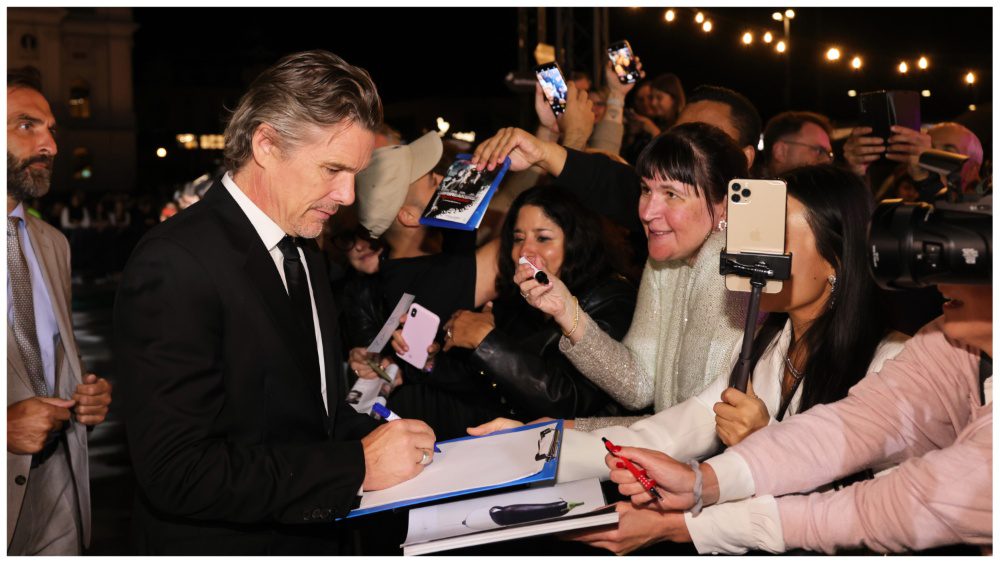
[85, 58]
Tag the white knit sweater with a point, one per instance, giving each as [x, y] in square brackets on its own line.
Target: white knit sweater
[683, 331]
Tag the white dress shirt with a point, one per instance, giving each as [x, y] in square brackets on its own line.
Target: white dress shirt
[271, 234]
[46, 327]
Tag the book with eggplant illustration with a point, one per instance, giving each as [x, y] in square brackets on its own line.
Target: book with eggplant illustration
[526, 513]
[496, 516]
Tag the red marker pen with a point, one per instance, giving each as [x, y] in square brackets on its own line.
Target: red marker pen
[639, 474]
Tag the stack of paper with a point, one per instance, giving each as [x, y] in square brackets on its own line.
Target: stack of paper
[521, 514]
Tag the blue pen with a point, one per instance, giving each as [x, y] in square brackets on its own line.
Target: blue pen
[388, 416]
[384, 413]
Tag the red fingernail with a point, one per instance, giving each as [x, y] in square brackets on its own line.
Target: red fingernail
[620, 465]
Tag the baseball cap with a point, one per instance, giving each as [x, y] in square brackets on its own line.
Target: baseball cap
[383, 185]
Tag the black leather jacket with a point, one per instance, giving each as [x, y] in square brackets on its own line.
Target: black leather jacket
[520, 365]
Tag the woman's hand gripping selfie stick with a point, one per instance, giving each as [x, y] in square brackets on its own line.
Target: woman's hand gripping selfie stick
[759, 268]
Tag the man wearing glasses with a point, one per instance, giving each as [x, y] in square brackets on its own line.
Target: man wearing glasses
[796, 138]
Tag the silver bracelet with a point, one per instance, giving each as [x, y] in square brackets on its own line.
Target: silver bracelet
[616, 102]
[696, 509]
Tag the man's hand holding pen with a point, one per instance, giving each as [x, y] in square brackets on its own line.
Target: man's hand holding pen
[396, 452]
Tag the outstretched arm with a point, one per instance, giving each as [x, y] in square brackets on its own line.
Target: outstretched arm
[941, 498]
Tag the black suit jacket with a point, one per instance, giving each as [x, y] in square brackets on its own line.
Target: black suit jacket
[232, 449]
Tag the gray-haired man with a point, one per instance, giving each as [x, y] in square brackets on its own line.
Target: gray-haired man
[225, 325]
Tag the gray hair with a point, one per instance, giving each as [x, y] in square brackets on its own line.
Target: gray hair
[313, 87]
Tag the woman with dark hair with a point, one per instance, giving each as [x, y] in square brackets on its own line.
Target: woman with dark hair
[505, 360]
[686, 323]
[666, 100]
[824, 331]
[662, 100]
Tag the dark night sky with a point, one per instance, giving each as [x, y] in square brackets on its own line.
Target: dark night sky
[190, 62]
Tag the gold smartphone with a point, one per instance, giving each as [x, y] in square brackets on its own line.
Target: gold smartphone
[755, 222]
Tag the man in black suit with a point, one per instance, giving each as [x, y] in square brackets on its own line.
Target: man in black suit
[227, 343]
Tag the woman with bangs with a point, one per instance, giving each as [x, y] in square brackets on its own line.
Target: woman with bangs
[824, 332]
[685, 323]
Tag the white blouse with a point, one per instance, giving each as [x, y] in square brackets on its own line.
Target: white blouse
[687, 431]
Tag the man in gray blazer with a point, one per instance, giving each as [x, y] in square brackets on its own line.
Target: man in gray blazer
[50, 402]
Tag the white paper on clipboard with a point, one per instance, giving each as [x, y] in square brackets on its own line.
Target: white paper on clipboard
[383, 336]
[471, 464]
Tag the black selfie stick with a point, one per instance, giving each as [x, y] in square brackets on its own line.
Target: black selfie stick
[759, 268]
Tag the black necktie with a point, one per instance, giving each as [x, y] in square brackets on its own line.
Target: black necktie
[298, 292]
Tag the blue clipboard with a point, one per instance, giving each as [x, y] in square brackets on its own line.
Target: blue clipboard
[547, 476]
[477, 216]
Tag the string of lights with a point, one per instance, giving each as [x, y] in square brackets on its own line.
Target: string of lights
[834, 53]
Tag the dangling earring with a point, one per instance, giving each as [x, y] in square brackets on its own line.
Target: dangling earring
[832, 280]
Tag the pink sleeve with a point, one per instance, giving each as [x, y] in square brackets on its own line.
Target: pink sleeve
[942, 498]
[917, 403]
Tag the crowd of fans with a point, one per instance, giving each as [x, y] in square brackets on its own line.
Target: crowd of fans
[622, 200]
[605, 344]
[102, 229]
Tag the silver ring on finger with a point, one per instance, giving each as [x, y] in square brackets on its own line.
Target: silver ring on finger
[447, 334]
[425, 458]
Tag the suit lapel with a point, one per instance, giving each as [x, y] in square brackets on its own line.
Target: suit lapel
[326, 311]
[263, 276]
[48, 262]
[14, 360]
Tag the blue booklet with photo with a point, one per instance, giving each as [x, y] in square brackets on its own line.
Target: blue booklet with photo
[526, 456]
[463, 196]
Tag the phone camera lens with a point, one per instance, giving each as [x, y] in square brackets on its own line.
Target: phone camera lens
[413, 312]
[746, 193]
[736, 198]
[736, 187]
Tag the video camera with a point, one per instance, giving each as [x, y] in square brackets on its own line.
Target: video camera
[919, 244]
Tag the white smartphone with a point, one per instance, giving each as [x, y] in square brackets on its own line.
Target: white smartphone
[755, 222]
[419, 331]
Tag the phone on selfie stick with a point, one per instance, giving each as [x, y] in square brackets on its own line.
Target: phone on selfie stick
[754, 259]
[623, 62]
[553, 86]
[755, 222]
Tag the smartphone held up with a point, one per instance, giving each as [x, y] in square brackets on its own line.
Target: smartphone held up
[882, 109]
[553, 86]
[623, 62]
